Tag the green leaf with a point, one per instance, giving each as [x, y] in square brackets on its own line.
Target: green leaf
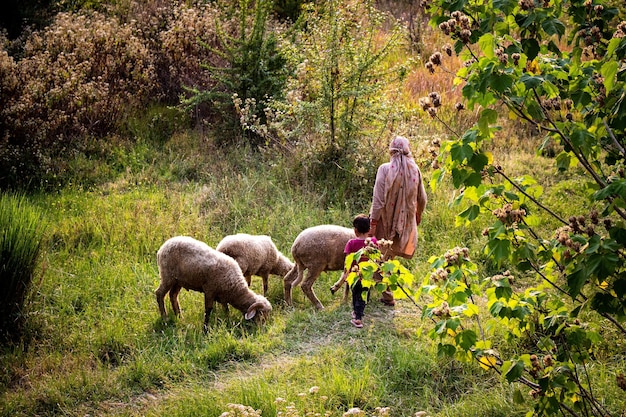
[495, 308]
[501, 82]
[487, 117]
[499, 249]
[473, 180]
[616, 188]
[576, 281]
[487, 45]
[608, 71]
[478, 161]
[460, 153]
[446, 350]
[603, 265]
[518, 397]
[466, 339]
[613, 45]
[553, 27]
[504, 292]
[514, 371]
[531, 48]
[563, 161]
[531, 81]
[470, 213]
[580, 137]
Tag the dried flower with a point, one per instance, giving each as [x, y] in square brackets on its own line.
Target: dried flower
[435, 58]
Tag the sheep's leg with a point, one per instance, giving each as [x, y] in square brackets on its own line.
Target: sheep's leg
[265, 278]
[208, 308]
[307, 286]
[339, 283]
[248, 279]
[346, 292]
[289, 279]
[160, 298]
[174, 291]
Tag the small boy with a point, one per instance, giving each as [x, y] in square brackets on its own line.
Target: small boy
[361, 225]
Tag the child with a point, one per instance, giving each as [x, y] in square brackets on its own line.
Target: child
[361, 225]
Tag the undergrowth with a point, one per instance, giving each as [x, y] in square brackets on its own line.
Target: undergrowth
[98, 346]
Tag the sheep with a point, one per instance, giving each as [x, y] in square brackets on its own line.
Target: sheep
[185, 262]
[256, 255]
[318, 249]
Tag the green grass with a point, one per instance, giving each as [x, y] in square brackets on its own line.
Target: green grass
[98, 346]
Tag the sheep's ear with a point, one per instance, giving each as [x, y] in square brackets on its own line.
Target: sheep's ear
[250, 314]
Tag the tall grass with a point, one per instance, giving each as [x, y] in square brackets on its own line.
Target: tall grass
[21, 235]
[101, 348]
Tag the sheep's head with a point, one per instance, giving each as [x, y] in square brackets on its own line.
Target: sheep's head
[260, 306]
[283, 265]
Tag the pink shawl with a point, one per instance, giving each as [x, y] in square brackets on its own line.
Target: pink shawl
[399, 198]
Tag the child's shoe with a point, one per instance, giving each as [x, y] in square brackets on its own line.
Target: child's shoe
[356, 323]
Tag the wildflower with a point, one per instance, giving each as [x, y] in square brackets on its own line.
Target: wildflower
[445, 28]
[465, 35]
[442, 311]
[382, 411]
[435, 99]
[547, 360]
[440, 275]
[435, 58]
[314, 390]
[425, 103]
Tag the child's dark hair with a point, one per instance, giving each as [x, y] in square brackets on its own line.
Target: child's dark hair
[361, 223]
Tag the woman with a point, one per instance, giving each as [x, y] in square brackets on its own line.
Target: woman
[398, 203]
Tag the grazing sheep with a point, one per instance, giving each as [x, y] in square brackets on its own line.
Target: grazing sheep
[187, 263]
[318, 249]
[256, 255]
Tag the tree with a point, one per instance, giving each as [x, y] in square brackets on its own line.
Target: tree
[557, 66]
[255, 72]
[338, 100]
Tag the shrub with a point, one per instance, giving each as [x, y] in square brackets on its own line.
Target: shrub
[21, 234]
[572, 94]
[185, 47]
[253, 69]
[339, 104]
[77, 77]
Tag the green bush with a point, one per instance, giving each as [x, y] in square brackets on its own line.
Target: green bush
[21, 234]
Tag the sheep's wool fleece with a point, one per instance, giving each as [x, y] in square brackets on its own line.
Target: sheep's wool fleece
[327, 240]
[191, 261]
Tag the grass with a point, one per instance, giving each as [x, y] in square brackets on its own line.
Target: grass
[96, 344]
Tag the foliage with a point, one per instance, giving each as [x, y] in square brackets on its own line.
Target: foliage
[574, 95]
[76, 78]
[254, 70]
[339, 101]
[375, 270]
[21, 236]
[184, 38]
[82, 77]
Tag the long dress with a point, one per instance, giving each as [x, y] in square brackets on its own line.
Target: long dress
[396, 205]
